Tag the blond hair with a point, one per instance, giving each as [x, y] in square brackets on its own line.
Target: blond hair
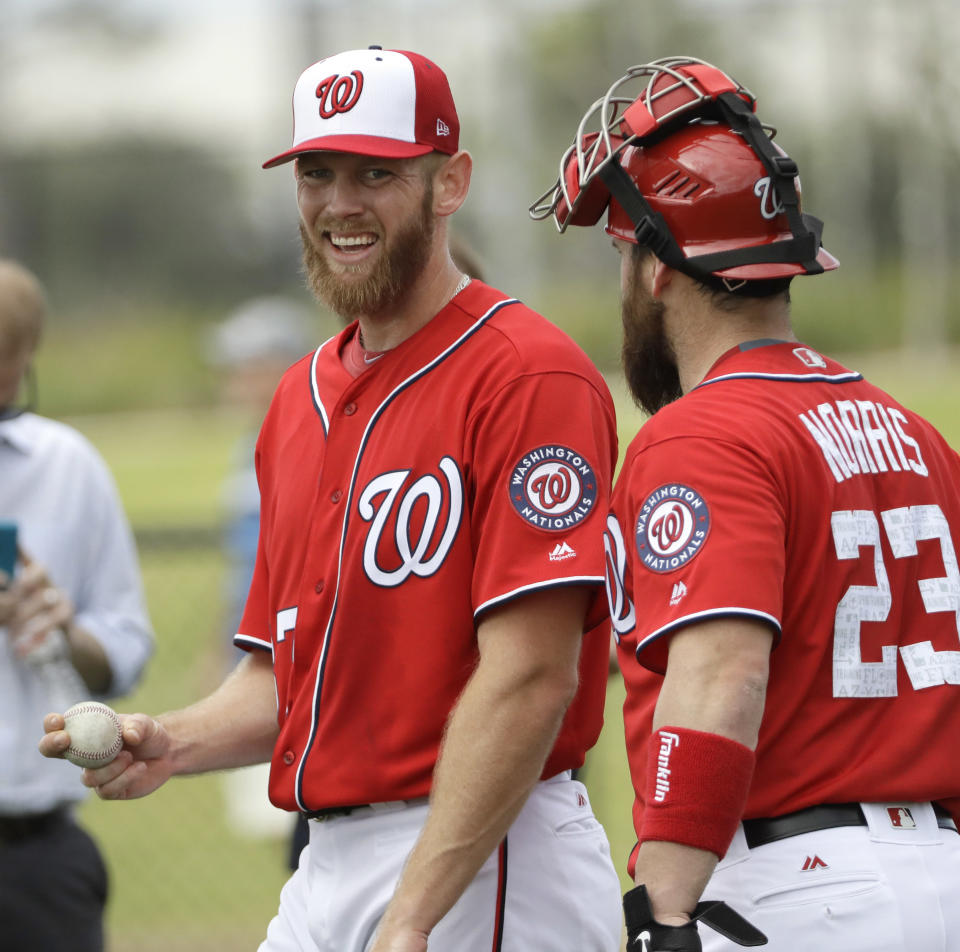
[23, 307]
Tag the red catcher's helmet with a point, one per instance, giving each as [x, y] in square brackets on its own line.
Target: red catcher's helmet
[687, 169]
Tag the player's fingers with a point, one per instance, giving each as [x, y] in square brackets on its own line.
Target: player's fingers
[55, 741]
[53, 722]
[120, 785]
[107, 776]
[137, 729]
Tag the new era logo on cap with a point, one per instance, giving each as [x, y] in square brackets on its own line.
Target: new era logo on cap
[386, 103]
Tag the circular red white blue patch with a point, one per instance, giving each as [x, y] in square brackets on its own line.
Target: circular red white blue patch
[553, 487]
[672, 527]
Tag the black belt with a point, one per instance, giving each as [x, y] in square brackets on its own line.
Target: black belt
[331, 813]
[768, 829]
[16, 828]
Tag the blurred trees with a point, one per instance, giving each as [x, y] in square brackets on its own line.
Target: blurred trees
[146, 225]
[135, 222]
[863, 92]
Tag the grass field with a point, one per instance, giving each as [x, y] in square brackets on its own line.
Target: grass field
[182, 878]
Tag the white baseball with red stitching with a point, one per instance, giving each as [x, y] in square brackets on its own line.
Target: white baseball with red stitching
[95, 734]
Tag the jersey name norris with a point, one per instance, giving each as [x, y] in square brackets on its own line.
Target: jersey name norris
[860, 436]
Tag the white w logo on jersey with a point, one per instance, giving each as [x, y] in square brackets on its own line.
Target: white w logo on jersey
[622, 613]
[413, 556]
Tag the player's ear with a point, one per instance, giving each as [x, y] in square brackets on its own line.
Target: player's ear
[661, 277]
[451, 182]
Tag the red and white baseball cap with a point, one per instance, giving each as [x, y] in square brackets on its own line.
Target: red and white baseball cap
[387, 103]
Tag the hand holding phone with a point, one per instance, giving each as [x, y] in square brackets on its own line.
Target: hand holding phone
[8, 551]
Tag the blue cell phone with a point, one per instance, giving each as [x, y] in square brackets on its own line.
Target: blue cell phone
[8, 547]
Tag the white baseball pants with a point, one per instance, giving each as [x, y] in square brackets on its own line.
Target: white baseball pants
[884, 887]
[553, 888]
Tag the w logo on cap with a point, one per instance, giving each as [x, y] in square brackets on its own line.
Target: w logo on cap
[339, 93]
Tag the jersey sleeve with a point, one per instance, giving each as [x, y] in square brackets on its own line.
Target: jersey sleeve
[539, 463]
[705, 525]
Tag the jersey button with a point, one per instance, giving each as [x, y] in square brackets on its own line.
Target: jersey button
[289, 757]
[335, 495]
[318, 588]
[350, 409]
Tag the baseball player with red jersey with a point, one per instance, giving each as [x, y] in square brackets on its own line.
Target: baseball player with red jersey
[781, 558]
[427, 625]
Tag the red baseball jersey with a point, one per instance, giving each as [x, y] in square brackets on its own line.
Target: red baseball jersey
[789, 489]
[468, 467]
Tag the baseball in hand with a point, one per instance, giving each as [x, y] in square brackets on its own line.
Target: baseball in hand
[95, 734]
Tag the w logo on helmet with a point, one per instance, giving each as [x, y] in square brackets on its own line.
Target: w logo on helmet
[339, 93]
[770, 204]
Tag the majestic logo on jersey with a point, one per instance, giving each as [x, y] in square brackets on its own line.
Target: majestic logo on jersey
[622, 614]
[553, 487]
[339, 93]
[562, 551]
[813, 862]
[425, 518]
[672, 527]
[770, 204]
[678, 594]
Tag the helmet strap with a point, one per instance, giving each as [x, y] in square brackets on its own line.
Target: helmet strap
[783, 171]
[652, 231]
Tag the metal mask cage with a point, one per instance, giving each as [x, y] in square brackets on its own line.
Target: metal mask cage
[624, 117]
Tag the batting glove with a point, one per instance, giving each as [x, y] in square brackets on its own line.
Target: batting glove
[645, 934]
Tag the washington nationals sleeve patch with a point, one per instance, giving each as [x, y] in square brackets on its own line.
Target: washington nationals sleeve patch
[553, 488]
[672, 527]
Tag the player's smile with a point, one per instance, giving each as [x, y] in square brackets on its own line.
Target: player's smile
[350, 243]
[367, 226]
[347, 250]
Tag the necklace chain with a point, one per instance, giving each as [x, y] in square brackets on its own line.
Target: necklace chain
[465, 279]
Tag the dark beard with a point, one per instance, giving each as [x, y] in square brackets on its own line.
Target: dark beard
[402, 262]
[649, 363]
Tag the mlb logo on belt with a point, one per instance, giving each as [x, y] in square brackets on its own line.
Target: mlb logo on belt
[901, 818]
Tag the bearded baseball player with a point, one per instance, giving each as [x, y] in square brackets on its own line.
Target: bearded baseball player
[427, 625]
[781, 558]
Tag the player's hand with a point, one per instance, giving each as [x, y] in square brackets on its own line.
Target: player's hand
[679, 933]
[660, 937]
[141, 767]
[398, 940]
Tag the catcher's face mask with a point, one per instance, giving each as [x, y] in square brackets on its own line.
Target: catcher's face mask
[685, 168]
